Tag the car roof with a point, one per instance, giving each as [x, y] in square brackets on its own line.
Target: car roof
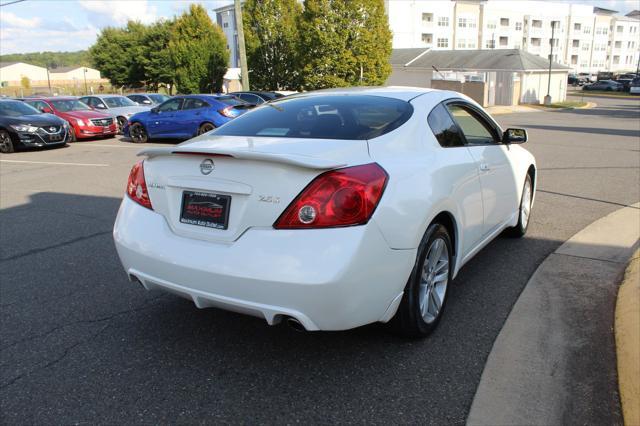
[54, 98]
[397, 92]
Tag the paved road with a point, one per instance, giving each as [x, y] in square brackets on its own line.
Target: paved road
[79, 343]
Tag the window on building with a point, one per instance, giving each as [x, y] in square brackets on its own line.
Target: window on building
[574, 59]
[462, 22]
[585, 47]
[587, 30]
[518, 26]
[536, 23]
[619, 29]
[427, 17]
[504, 22]
[583, 64]
[577, 27]
[461, 44]
[555, 42]
[225, 25]
[443, 21]
[491, 25]
[443, 42]
[471, 44]
[427, 38]
[618, 44]
[616, 59]
[535, 41]
[490, 44]
[504, 41]
[575, 43]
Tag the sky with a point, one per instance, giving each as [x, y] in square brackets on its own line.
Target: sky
[69, 25]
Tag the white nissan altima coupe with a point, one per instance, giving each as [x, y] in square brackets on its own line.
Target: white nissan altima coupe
[329, 209]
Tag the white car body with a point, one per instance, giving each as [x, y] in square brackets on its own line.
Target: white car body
[327, 279]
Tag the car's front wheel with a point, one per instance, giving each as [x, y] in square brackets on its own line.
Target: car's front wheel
[426, 291]
[6, 144]
[205, 127]
[138, 133]
[524, 213]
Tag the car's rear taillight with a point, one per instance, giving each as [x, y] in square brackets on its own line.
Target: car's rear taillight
[342, 197]
[229, 111]
[137, 187]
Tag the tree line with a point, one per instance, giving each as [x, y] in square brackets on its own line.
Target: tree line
[290, 46]
[50, 60]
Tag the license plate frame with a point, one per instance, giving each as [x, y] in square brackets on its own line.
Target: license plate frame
[205, 209]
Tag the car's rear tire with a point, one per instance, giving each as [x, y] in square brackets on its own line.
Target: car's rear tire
[122, 122]
[425, 294]
[6, 144]
[138, 133]
[72, 132]
[205, 127]
[524, 213]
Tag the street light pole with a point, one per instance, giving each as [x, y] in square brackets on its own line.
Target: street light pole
[86, 91]
[547, 99]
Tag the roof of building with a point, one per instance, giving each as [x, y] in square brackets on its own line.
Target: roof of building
[604, 11]
[6, 64]
[476, 60]
[405, 56]
[65, 69]
[633, 13]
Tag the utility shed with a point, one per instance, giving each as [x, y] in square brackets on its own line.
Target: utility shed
[491, 77]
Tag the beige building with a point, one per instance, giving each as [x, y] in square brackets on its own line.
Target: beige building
[12, 73]
[75, 73]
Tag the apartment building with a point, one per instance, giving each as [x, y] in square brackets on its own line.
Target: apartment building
[584, 37]
[226, 19]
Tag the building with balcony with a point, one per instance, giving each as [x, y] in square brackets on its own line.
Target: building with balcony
[585, 38]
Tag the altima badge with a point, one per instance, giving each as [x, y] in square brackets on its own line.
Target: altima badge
[207, 166]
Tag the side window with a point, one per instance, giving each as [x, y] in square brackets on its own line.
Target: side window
[171, 105]
[136, 98]
[192, 103]
[39, 105]
[475, 129]
[444, 128]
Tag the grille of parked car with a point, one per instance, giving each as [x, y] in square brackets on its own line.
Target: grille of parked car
[48, 130]
[102, 121]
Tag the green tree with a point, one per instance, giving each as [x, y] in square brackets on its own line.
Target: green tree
[25, 82]
[344, 43]
[117, 53]
[50, 59]
[156, 59]
[198, 51]
[271, 38]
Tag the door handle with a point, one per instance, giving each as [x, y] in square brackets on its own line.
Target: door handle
[484, 167]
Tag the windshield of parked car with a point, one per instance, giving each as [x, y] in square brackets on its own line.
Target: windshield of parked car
[158, 98]
[118, 101]
[70, 105]
[322, 117]
[16, 109]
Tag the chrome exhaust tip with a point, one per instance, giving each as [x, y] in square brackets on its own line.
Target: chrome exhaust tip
[295, 324]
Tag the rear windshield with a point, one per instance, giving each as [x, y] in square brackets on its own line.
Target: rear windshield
[322, 117]
[230, 100]
[158, 98]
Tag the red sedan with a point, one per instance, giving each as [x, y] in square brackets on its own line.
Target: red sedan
[85, 121]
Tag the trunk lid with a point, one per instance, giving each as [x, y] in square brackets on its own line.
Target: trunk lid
[262, 175]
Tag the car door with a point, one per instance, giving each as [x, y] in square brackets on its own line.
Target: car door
[458, 170]
[192, 115]
[162, 121]
[483, 139]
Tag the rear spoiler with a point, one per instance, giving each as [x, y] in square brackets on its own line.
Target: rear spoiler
[291, 159]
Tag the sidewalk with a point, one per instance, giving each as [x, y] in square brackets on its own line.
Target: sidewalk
[554, 361]
[628, 342]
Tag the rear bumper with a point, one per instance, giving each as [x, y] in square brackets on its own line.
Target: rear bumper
[330, 279]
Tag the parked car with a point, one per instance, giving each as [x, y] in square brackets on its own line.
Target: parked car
[256, 97]
[608, 85]
[625, 82]
[184, 117]
[604, 75]
[21, 125]
[151, 99]
[628, 76]
[120, 107]
[587, 77]
[84, 121]
[576, 80]
[329, 210]
[634, 87]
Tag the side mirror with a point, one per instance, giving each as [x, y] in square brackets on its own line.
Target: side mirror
[146, 102]
[100, 106]
[46, 110]
[514, 136]
[154, 110]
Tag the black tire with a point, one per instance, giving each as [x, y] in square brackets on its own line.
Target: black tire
[205, 127]
[520, 229]
[122, 122]
[72, 132]
[408, 320]
[138, 133]
[6, 144]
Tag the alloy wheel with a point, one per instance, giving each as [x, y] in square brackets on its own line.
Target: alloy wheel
[138, 133]
[206, 127]
[525, 209]
[6, 145]
[434, 280]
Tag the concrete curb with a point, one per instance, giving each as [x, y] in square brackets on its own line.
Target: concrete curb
[628, 343]
[554, 360]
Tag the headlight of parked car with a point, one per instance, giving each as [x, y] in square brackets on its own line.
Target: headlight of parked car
[24, 128]
[80, 122]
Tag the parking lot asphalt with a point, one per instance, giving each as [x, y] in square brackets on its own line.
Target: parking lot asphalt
[79, 343]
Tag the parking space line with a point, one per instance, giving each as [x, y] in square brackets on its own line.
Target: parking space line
[54, 163]
[110, 146]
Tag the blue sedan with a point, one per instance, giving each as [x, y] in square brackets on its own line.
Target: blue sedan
[184, 117]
